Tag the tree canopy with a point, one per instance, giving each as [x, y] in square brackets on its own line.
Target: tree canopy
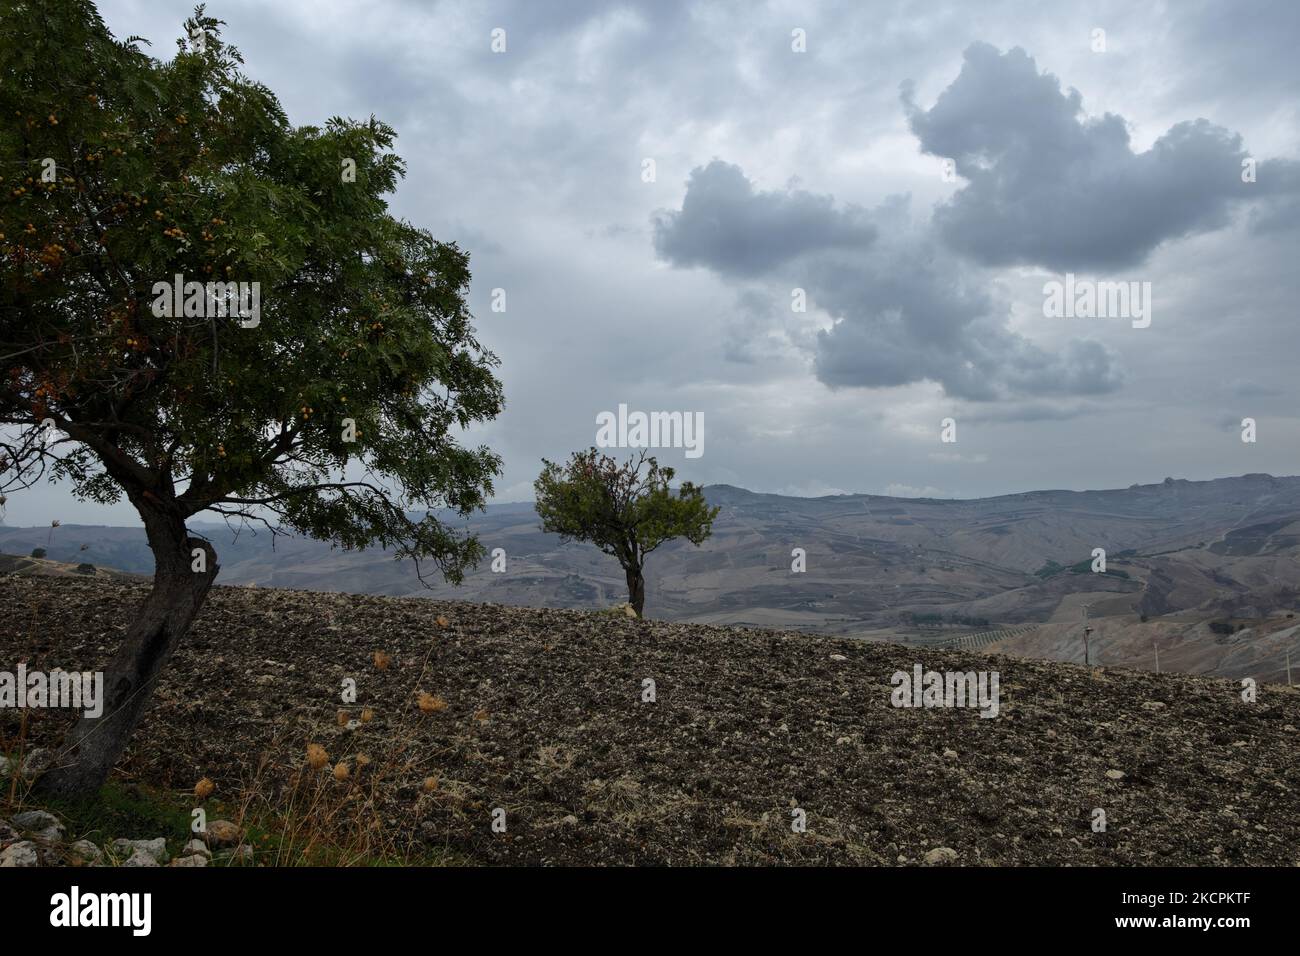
[120, 172]
[627, 510]
[206, 308]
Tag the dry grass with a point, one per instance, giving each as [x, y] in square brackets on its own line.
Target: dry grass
[327, 811]
[551, 761]
[324, 811]
[624, 801]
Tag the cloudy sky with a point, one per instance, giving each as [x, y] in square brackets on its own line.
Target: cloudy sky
[918, 170]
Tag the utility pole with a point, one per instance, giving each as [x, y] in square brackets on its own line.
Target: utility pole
[1157, 647]
[1087, 629]
[1288, 667]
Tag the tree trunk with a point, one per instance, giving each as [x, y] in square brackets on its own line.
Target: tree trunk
[635, 589]
[94, 744]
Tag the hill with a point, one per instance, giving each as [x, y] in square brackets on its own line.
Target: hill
[542, 713]
[43, 567]
[1181, 554]
[1226, 546]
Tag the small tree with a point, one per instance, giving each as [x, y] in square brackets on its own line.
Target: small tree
[330, 408]
[625, 510]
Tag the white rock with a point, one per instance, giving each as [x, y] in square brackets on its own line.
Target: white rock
[194, 859]
[941, 856]
[196, 846]
[86, 852]
[838, 657]
[22, 853]
[1115, 774]
[39, 822]
[37, 761]
[157, 848]
[141, 858]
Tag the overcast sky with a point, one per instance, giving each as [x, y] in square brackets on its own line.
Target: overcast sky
[824, 170]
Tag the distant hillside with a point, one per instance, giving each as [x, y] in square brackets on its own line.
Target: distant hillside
[542, 713]
[1183, 558]
[1181, 551]
[42, 567]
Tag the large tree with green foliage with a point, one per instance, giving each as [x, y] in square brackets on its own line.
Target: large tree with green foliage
[332, 410]
[626, 510]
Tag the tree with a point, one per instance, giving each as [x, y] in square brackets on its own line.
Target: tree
[311, 373]
[625, 510]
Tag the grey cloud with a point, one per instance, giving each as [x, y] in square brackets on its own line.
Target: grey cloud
[1229, 422]
[1247, 46]
[747, 328]
[1279, 185]
[1032, 411]
[1282, 217]
[915, 316]
[1084, 368]
[730, 227]
[1047, 186]
[906, 309]
[1254, 390]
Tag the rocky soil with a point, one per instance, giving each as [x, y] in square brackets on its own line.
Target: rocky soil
[545, 715]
